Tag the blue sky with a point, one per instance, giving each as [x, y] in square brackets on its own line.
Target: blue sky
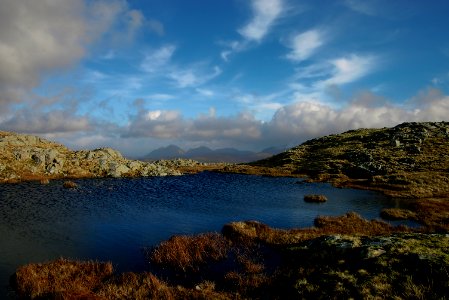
[138, 75]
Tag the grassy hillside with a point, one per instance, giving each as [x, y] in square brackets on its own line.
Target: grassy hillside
[408, 160]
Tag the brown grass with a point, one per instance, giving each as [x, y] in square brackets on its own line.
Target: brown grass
[432, 213]
[353, 224]
[69, 280]
[397, 214]
[188, 253]
[135, 286]
[350, 224]
[59, 276]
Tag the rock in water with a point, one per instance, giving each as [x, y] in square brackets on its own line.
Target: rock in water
[315, 198]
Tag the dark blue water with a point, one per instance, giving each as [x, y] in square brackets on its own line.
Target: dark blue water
[112, 219]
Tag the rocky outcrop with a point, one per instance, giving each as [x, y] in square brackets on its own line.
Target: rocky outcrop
[408, 160]
[27, 157]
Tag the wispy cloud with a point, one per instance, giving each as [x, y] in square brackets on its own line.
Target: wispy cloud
[338, 71]
[393, 10]
[304, 45]
[265, 12]
[205, 92]
[156, 26]
[157, 58]
[351, 68]
[363, 7]
[193, 76]
[161, 96]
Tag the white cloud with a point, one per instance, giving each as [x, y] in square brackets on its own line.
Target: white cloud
[290, 124]
[135, 20]
[38, 38]
[156, 59]
[265, 12]
[159, 115]
[393, 10]
[161, 96]
[351, 68]
[171, 124]
[363, 7]
[205, 92]
[231, 48]
[337, 71]
[193, 76]
[38, 122]
[304, 120]
[304, 45]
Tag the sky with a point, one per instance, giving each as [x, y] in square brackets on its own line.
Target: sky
[137, 75]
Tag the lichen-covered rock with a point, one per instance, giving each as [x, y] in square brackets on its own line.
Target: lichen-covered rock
[117, 170]
[401, 266]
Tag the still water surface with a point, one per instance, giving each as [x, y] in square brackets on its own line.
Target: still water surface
[112, 219]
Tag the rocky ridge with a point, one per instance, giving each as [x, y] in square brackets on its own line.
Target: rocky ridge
[28, 157]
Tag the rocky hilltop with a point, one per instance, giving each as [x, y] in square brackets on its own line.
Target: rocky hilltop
[27, 157]
[408, 160]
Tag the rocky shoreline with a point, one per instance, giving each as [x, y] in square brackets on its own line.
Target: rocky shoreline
[27, 157]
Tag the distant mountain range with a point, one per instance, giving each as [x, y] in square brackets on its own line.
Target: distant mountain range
[205, 154]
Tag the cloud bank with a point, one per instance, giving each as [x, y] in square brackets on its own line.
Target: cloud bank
[290, 124]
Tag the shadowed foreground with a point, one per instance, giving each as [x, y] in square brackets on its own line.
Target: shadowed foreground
[340, 257]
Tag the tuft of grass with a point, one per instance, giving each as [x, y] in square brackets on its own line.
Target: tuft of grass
[135, 286]
[69, 184]
[44, 181]
[188, 253]
[40, 280]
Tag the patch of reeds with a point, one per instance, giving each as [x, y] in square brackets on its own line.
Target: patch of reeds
[189, 253]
